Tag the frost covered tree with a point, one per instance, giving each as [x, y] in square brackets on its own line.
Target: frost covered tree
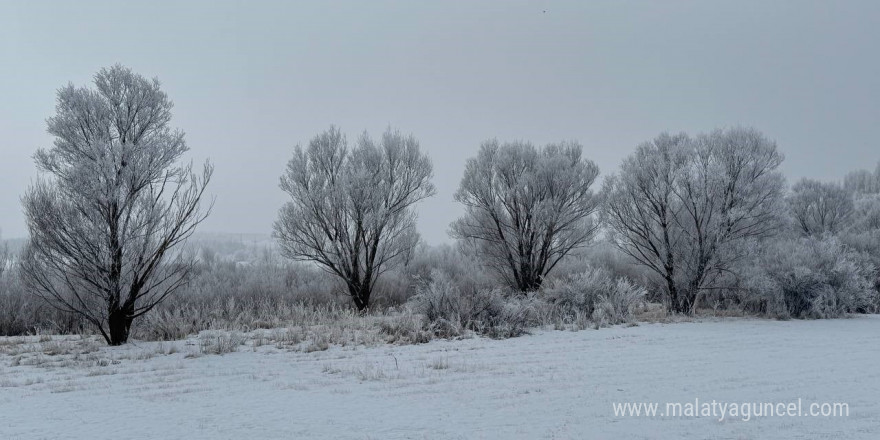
[818, 207]
[862, 233]
[680, 206]
[643, 211]
[526, 208]
[107, 224]
[351, 209]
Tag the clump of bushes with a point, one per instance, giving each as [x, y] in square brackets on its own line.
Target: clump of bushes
[593, 296]
[595, 293]
[450, 308]
[812, 277]
[405, 328]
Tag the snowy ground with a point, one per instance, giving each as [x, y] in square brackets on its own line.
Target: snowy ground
[553, 384]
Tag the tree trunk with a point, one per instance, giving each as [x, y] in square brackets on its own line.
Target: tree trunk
[360, 293]
[530, 282]
[691, 297]
[119, 325]
[674, 296]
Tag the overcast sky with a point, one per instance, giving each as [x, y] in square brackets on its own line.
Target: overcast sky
[250, 80]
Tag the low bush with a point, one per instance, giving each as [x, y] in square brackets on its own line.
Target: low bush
[450, 308]
[593, 297]
[405, 328]
[594, 293]
[815, 277]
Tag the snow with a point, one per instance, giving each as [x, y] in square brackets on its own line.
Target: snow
[552, 384]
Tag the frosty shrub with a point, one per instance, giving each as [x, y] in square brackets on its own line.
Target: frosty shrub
[450, 309]
[596, 294]
[509, 317]
[439, 299]
[618, 304]
[813, 278]
[405, 328]
[603, 254]
[579, 292]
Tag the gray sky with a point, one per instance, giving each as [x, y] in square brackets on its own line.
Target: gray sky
[252, 79]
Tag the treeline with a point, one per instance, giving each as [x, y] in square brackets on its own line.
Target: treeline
[690, 222]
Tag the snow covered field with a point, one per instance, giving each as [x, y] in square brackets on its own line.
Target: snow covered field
[552, 384]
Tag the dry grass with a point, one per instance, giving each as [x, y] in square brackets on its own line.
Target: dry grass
[69, 351]
[219, 342]
[313, 328]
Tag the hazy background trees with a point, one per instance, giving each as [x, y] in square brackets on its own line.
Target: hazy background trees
[863, 181]
[526, 208]
[4, 255]
[682, 206]
[106, 225]
[351, 208]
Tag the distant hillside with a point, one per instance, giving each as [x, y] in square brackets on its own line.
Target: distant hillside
[234, 247]
[218, 245]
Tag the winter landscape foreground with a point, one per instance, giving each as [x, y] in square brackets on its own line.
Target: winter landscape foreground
[550, 384]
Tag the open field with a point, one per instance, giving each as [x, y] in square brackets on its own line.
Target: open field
[551, 384]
